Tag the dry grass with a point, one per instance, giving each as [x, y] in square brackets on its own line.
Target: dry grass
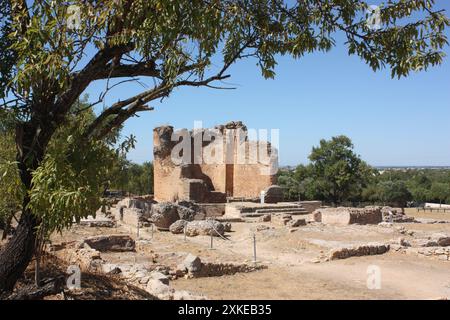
[94, 286]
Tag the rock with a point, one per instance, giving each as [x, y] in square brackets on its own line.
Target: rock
[205, 228]
[164, 215]
[274, 194]
[157, 288]
[317, 215]
[109, 268]
[296, 223]
[114, 243]
[192, 263]
[188, 210]
[404, 243]
[227, 226]
[178, 227]
[265, 218]
[442, 240]
[260, 228]
[186, 296]
[155, 275]
[98, 223]
[281, 219]
[115, 271]
[425, 243]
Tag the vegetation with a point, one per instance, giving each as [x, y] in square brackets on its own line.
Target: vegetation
[57, 53]
[336, 175]
[133, 178]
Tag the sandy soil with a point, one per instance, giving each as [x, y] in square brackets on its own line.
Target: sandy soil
[295, 269]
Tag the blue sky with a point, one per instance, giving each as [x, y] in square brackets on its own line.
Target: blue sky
[391, 122]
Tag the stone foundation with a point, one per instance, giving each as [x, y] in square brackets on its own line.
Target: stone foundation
[346, 216]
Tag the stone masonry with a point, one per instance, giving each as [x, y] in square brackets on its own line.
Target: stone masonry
[232, 174]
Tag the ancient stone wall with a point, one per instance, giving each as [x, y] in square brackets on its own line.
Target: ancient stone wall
[346, 216]
[235, 172]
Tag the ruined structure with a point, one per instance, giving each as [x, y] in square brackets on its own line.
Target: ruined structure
[209, 165]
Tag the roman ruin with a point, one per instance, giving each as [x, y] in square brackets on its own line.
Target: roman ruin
[209, 233]
[211, 165]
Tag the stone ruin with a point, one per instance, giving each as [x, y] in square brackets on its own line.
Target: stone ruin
[232, 174]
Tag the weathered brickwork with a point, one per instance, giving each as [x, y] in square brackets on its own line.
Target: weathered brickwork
[234, 173]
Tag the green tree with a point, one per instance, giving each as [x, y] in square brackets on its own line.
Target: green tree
[440, 191]
[394, 193]
[339, 173]
[7, 54]
[58, 56]
[10, 185]
[137, 179]
[420, 194]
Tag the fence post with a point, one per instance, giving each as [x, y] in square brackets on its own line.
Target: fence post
[138, 233]
[254, 249]
[211, 248]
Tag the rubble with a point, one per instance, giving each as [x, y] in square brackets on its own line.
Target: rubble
[281, 219]
[164, 215]
[205, 228]
[191, 264]
[296, 223]
[113, 243]
[178, 227]
[98, 223]
[439, 253]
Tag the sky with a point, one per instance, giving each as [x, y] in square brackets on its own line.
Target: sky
[391, 122]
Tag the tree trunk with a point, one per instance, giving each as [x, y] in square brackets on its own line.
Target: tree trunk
[18, 252]
[16, 255]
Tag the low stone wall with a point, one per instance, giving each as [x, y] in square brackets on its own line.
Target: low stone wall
[346, 216]
[226, 269]
[358, 251]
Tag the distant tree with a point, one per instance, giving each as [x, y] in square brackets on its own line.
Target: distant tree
[440, 191]
[393, 193]
[420, 194]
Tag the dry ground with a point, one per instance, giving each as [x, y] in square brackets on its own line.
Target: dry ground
[294, 260]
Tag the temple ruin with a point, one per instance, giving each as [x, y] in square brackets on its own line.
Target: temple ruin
[211, 165]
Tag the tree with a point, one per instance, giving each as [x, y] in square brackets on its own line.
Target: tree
[10, 186]
[7, 55]
[440, 191]
[60, 50]
[419, 194]
[394, 193]
[134, 178]
[339, 173]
